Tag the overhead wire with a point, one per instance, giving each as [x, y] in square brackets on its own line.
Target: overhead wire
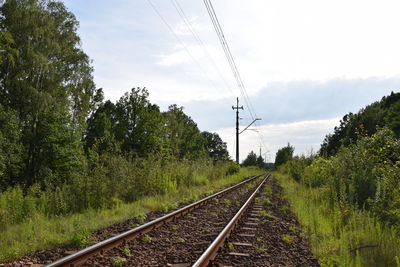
[228, 55]
[233, 66]
[225, 47]
[183, 45]
[193, 31]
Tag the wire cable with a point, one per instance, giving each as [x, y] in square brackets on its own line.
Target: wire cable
[184, 45]
[233, 66]
[192, 30]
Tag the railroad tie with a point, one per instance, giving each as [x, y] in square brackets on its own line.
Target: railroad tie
[239, 254]
[249, 228]
[244, 244]
[186, 264]
[247, 235]
[201, 243]
[251, 223]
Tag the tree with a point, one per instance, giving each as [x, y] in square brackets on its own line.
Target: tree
[251, 159]
[393, 118]
[183, 137]
[364, 123]
[283, 155]
[10, 148]
[215, 147]
[46, 79]
[139, 125]
[100, 129]
[260, 162]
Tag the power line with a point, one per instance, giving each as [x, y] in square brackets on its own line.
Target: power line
[228, 55]
[183, 44]
[192, 30]
[231, 61]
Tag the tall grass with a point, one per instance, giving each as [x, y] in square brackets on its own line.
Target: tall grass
[116, 189]
[341, 236]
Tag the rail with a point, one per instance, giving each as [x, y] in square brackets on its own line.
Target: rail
[211, 252]
[82, 255]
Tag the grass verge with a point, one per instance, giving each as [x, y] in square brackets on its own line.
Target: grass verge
[40, 232]
[341, 237]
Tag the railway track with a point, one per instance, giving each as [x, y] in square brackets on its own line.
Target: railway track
[188, 230]
[208, 257]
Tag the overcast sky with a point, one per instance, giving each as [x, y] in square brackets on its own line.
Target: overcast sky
[305, 64]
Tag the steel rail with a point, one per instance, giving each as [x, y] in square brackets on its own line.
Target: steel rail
[82, 255]
[212, 251]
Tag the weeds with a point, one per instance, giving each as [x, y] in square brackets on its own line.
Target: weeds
[174, 227]
[126, 251]
[141, 218]
[118, 261]
[333, 232]
[230, 246]
[263, 213]
[26, 224]
[146, 238]
[262, 248]
[180, 240]
[288, 239]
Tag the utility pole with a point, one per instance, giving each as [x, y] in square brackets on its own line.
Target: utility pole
[237, 128]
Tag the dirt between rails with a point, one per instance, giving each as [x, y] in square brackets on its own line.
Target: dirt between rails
[278, 239]
[182, 241]
[43, 257]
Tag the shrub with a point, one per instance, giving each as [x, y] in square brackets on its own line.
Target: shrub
[233, 168]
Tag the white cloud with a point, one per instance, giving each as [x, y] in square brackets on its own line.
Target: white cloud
[301, 61]
[184, 30]
[181, 56]
[270, 41]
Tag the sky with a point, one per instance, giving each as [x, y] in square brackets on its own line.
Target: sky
[304, 64]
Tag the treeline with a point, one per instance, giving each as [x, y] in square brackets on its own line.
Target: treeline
[136, 127]
[354, 178]
[383, 113]
[359, 162]
[54, 123]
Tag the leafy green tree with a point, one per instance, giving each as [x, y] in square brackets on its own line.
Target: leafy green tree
[250, 160]
[10, 148]
[139, 125]
[364, 123]
[184, 138]
[283, 155]
[393, 118]
[47, 79]
[215, 147]
[100, 129]
[260, 162]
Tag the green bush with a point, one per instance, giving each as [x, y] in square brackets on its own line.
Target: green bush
[233, 168]
[364, 175]
[111, 181]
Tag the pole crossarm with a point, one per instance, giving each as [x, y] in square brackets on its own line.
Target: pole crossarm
[257, 119]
